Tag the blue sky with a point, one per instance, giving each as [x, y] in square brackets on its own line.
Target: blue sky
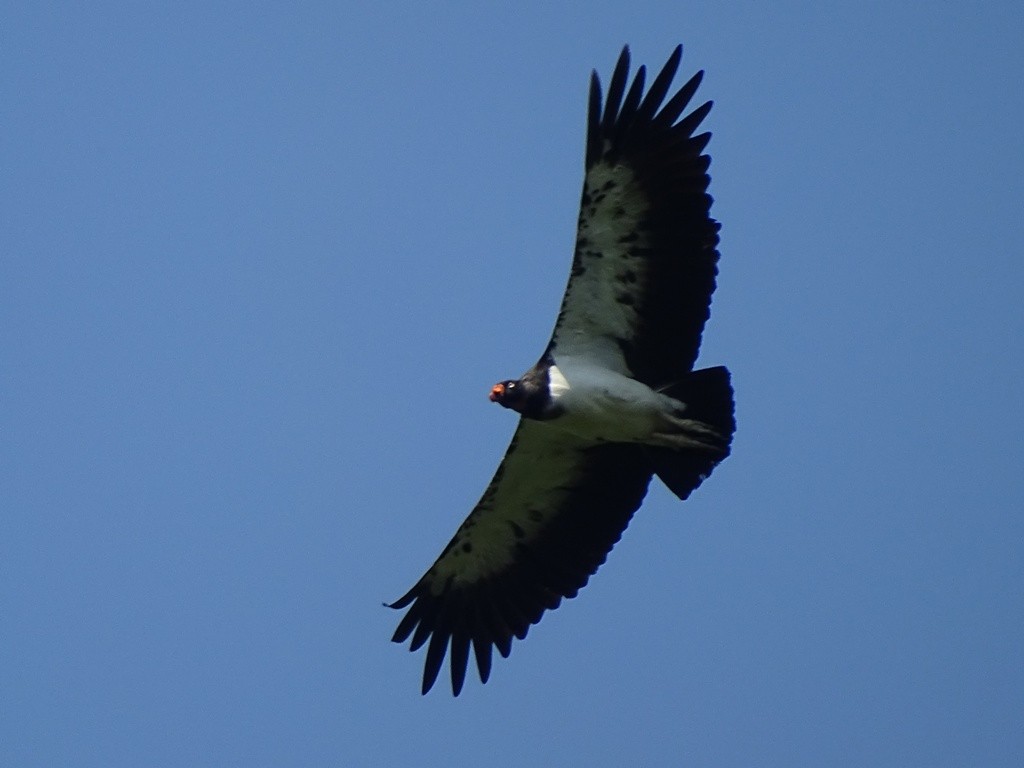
[259, 267]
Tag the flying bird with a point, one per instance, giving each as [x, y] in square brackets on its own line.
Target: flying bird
[613, 400]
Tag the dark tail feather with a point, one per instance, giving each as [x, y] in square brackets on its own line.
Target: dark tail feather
[707, 394]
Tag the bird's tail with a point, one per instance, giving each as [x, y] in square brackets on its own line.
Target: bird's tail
[709, 414]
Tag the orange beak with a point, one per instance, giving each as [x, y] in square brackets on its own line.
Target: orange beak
[496, 392]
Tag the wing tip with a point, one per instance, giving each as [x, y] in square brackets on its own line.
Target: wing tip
[615, 115]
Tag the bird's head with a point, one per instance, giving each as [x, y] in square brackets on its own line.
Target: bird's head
[509, 394]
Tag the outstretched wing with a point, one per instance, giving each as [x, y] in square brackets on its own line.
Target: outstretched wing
[553, 511]
[644, 268]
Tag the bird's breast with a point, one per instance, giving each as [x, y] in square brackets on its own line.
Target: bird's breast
[601, 404]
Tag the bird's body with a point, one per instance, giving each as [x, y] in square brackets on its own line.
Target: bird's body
[603, 405]
[613, 400]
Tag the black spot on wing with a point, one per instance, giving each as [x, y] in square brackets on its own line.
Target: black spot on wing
[550, 564]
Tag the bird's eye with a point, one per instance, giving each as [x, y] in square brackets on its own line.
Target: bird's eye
[510, 385]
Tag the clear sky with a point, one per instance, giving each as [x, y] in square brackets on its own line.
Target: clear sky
[259, 267]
